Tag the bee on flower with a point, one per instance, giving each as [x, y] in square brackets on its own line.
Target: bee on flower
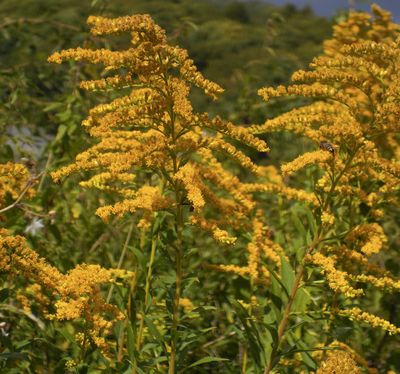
[325, 146]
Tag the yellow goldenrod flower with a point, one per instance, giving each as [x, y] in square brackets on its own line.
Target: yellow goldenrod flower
[14, 179]
[327, 219]
[337, 280]
[338, 362]
[154, 129]
[374, 321]
[77, 293]
[315, 157]
[370, 238]
[186, 304]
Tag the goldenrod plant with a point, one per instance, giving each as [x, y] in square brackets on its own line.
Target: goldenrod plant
[159, 238]
[352, 124]
[155, 151]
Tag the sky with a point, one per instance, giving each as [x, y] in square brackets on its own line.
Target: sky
[328, 8]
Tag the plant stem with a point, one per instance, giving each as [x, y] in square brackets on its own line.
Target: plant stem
[121, 258]
[286, 312]
[178, 284]
[154, 241]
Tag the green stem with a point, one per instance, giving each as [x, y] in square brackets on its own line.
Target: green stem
[121, 258]
[288, 307]
[244, 360]
[178, 285]
[147, 291]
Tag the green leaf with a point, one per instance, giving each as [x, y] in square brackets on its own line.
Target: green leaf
[62, 129]
[22, 344]
[52, 106]
[311, 220]
[4, 294]
[68, 336]
[14, 356]
[205, 360]
[288, 274]
[301, 300]
[298, 224]
[138, 370]
[299, 346]
[255, 344]
[278, 286]
[130, 340]
[154, 331]
[308, 360]
[140, 257]
[188, 283]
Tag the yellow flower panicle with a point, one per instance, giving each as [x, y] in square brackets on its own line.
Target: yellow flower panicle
[188, 175]
[14, 179]
[338, 362]
[147, 198]
[358, 80]
[77, 292]
[337, 346]
[261, 251]
[186, 304]
[358, 315]
[211, 226]
[327, 219]
[337, 279]
[359, 269]
[315, 157]
[154, 129]
[369, 237]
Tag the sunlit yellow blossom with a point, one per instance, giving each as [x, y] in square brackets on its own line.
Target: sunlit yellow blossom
[283, 190]
[358, 315]
[14, 179]
[77, 293]
[342, 347]
[337, 280]
[147, 198]
[240, 270]
[186, 304]
[327, 219]
[218, 234]
[261, 250]
[304, 160]
[338, 362]
[354, 86]
[369, 238]
[188, 175]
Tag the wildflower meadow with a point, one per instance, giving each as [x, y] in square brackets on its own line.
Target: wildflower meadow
[152, 221]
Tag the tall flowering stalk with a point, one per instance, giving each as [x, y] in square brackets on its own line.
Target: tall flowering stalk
[152, 130]
[353, 120]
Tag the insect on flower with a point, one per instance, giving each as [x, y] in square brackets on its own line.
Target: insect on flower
[327, 147]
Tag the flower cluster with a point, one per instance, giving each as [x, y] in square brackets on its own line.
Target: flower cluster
[339, 362]
[77, 294]
[261, 250]
[154, 129]
[374, 321]
[15, 179]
